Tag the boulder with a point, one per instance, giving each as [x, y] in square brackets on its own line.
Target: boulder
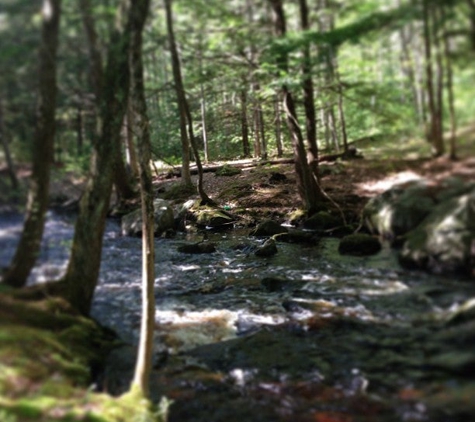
[399, 209]
[268, 228]
[131, 223]
[269, 248]
[445, 241]
[197, 248]
[212, 218]
[359, 244]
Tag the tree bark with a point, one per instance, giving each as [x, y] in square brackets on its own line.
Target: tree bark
[307, 185]
[43, 150]
[278, 127]
[308, 96]
[450, 86]
[142, 128]
[471, 5]
[244, 125]
[6, 151]
[84, 263]
[180, 92]
[435, 136]
[122, 179]
[183, 105]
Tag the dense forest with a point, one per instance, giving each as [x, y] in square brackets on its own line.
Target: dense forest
[271, 117]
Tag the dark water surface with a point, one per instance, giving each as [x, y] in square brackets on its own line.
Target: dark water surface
[305, 335]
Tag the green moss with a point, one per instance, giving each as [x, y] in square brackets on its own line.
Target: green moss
[228, 170]
[46, 354]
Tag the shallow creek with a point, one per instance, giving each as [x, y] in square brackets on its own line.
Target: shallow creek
[305, 335]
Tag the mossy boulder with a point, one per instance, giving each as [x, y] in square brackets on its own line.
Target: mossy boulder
[49, 358]
[268, 228]
[359, 244]
[213, 218]
[444, 242]
[402, 208]
[228, 170]
[131, 224]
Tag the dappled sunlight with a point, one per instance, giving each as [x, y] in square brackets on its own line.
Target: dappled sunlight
[381, 185]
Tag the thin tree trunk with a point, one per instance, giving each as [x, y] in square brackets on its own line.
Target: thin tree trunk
[244, 124]
[144, 360]
[6, 151]
[308, 96]
[43, 149]
[308, 188]
[471, 5]
[203, 123]
[407, 67]
[180, 92]
[434, 134]
[130, 154]
[83, 267]
[278, 127]
[183, 102]
[450, 87]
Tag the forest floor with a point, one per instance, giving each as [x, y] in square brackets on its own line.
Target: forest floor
[350, 183]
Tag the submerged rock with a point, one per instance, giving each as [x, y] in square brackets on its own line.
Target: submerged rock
[196, 248]
[131, 224]
[269, 248]
[359, 244]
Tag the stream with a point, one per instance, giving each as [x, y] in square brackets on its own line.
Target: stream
[305, 335]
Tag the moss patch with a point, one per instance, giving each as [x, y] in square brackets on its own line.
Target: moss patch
[48, 356]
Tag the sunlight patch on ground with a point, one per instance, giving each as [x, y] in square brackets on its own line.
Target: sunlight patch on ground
[388, 182]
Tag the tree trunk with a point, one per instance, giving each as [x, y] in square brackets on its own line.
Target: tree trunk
[278, 127]
[183, 102]
[308, 96]
[43, 149]
[180, 92]
[471, 5]
[435, 136]
[142, 128]
[203, 123]
[450, 86]
[83, 267]
[122, 179]
[6, 151]
[244, 124]
[307, 185]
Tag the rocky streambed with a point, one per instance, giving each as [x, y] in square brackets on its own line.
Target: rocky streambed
[305, 334]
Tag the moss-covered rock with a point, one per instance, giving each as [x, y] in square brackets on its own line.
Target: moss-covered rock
[359, 244]
[131, 224]
[228, 170]
[444, 241]
[49, 356]
[268, 228]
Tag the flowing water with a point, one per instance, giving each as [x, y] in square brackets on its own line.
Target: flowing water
[304, 335]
